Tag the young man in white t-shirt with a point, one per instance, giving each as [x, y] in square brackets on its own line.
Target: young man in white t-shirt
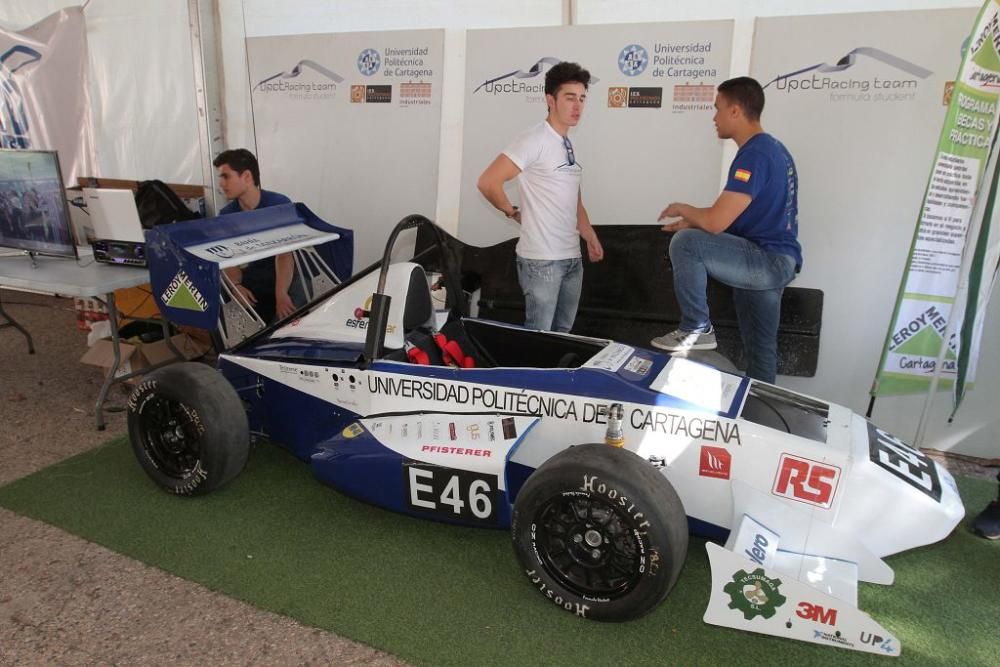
[552, 216]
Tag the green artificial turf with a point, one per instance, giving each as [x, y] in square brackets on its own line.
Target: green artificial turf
[437, 594]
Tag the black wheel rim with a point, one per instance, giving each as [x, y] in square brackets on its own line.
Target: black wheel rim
[170, 435]
[587, 546]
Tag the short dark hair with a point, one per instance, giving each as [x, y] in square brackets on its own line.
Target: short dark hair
[746, 93]
[239, 160]
[565, 72]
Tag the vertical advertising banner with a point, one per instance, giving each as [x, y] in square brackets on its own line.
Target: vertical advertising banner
[949, 216]
[859, 100]
[349, 124]
[645, 138]
[44, 100]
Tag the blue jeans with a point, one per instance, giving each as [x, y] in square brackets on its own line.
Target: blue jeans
[551, 291]
[757, 277]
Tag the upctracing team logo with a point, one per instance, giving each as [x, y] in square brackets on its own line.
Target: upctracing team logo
[499, 84]
[511, 82]
[888, 86]
[632, 60]
[369, 62]
[322, 84]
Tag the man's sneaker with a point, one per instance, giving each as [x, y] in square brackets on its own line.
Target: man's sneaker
[682, 341]
[987, 523]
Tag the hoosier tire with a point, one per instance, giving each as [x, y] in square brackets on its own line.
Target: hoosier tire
[188, 429]
[600, 533]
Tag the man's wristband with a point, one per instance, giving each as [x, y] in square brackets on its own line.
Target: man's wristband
[512, 213]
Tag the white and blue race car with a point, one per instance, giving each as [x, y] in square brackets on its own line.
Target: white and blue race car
[600, 457]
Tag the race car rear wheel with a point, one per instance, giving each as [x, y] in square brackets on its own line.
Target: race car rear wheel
[188, 428]
[600, 532]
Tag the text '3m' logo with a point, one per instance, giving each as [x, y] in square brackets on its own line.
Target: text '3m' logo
[806, 481]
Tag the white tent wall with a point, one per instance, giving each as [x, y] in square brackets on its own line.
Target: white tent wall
[141, 85]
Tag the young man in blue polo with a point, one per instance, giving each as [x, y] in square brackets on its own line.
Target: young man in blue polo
[268, 285]
[747, 239]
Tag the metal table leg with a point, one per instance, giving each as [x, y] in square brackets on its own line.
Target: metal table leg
[11, 322]
[116, 346]
[112, 377]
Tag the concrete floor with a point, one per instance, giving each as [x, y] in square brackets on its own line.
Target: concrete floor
[66, 601]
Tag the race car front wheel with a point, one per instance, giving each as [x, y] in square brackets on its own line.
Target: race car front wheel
[188, 428]
[600, 533]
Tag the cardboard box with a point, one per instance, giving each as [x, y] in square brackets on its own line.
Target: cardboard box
[135, 357]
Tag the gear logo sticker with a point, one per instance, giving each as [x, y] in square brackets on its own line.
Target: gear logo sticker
[755, 594]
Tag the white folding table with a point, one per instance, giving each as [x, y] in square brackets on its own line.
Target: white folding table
[82, 278]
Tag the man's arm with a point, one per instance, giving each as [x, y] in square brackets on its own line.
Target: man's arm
[595, 251]
[715, 219]
[284, 271]
[243, 293]
[491, 183]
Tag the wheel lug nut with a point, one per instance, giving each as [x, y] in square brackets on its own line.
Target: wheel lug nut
[595, 554]
[578, 538]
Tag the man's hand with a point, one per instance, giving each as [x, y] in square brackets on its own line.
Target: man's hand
[244, 295]
[675, 210]
[677, 225]
[595, 251]
[283, 306]
[672, 211]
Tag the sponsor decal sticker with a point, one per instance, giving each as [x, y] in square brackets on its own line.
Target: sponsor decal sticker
[618, 97]
[509, 428]
[414, 94]
[818, 613]
[806, 481]
[353, 430]
[716, 462]
[378, 94]
[754, 594]
[181, 293]
[875, 640]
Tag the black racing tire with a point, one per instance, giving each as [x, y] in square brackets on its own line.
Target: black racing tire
[188, 428]
[600, 532]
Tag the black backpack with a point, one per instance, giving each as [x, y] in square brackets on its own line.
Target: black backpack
[159, 205]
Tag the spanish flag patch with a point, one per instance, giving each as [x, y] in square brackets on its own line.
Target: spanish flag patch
[742, 175]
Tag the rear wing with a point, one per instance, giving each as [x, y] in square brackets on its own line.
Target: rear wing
[186, 258]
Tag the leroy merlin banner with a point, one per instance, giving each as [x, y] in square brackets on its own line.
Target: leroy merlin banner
[949, 216]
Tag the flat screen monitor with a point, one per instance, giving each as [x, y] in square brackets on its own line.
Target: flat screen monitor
[34, 216]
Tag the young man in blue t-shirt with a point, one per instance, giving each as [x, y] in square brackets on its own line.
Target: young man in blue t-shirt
[747, 239]
[268, 285]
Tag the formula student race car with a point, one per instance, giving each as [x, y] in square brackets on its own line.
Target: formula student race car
[599, 456]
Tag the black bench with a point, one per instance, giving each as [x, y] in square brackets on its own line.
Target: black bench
[629, 296]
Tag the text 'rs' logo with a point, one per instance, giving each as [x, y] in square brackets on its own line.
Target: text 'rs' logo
[806, 481]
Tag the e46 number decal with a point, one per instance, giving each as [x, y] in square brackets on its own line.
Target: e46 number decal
[450, 493]
[905, 462]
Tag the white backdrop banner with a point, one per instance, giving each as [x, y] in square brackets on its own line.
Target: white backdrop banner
[859, 100]
[646, 136]
[44, 101]
[349, 124]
